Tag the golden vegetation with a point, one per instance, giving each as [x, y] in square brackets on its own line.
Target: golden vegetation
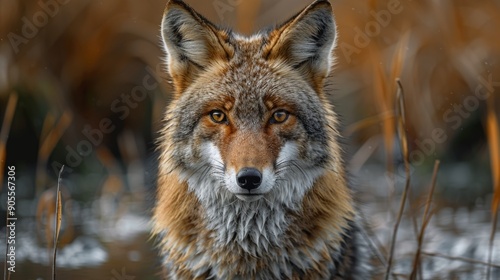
[74, 70]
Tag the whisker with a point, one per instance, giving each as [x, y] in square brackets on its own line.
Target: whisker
[198, 169]
[296, 165]
[206, 171]
[265, 198]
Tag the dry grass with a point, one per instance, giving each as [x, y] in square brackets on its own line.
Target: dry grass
[425, 221]
[46, 213]
[401, 125]
[4, 132]
[50, 136]
[465, 260]
[493, 133]
[91, 53]
[4, 135]
[57, 222]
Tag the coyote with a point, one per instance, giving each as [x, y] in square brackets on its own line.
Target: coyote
[251, 182]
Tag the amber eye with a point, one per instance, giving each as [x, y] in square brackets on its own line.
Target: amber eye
[218, 116]
[279, 116]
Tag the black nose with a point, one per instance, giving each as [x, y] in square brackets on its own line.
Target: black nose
[249, 178]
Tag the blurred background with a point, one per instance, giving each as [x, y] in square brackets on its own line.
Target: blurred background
[82, 84]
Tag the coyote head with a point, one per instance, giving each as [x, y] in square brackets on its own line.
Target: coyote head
[249, 118]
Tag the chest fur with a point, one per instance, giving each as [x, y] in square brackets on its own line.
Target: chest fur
[257, 241]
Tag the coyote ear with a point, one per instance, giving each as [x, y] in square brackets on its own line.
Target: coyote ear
[192, 43]
[306, 41]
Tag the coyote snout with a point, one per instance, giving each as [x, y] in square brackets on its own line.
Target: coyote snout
[249, 183]
[249, 166]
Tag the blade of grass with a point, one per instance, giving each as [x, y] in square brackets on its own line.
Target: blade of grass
[425, 221]
[492, 242]
[400, 108]
[57, 222]
[48, 144]
[363, 154]
[47, 125]
[385, 104]
[413, 211]
[462, 259]
[493, 134]
[367, 122]
[4, 133]
[44, 213]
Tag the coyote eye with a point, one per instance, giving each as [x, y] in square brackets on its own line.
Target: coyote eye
[218, 116]
[279, 116]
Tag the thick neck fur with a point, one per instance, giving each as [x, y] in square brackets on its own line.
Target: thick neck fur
[225, 238]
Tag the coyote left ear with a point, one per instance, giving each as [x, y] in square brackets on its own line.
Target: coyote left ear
[306, 41]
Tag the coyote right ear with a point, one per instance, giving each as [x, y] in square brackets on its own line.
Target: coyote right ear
[192, 43]
[306, 41]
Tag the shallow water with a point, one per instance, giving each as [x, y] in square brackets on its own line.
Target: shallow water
[121, 251]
